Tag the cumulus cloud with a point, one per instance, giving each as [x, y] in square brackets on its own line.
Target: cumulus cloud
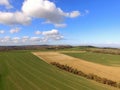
[14, 30]
[36, 9]
[38, 32]
[52, 35]
[47, 10]
[25, 38]
[45, 36]
[8, 39]
[74, 14]
[15, 39]
[2, 31]
[51, 32]
[10, 18]
[5, 3]
[5, 39]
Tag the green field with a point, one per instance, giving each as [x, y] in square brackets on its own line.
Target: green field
[100, 58]
[24, 71]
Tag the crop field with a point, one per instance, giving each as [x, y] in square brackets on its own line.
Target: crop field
[100, 58]
[24, 71]
[109, 72]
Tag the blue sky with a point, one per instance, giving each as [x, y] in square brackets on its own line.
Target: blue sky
[73, 22]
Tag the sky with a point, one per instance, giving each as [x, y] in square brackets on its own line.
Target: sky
[60, 22]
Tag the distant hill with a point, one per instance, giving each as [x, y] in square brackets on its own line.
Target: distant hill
[34, 47]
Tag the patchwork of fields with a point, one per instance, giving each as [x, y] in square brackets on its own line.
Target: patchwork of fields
[24, 71]
[109, 72]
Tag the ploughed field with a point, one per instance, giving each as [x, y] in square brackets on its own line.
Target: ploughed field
[24, 71]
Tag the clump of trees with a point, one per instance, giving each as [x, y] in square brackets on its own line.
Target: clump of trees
[88, 76]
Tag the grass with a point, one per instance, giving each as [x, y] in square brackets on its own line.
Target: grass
[100, 58]
[24, 71]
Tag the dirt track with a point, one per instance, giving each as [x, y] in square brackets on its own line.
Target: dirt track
[109, 72]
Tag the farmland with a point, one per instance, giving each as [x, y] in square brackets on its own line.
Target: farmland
[109, 72]
[21, 70]
[100, 58]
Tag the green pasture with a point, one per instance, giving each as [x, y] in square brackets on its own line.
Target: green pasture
[100, 58]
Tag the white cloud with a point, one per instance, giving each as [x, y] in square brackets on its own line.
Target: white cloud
[5, 39]
[36, 9]
[14, 30]
[35, 39]
[5, 3]
[38, 32]
[15, 39]
[74, 14]
[2, 31]
[10, 18]
[25, 38]
[52, 35]
[47, 10]
[60, 25]
[51, 32]
[45, 37]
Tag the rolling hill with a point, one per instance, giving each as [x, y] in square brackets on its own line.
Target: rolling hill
[24, 71]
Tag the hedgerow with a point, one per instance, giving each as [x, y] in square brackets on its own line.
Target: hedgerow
[88, 76]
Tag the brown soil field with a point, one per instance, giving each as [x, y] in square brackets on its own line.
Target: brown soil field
[109, 72]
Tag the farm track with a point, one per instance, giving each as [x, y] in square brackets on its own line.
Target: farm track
[112, 73]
